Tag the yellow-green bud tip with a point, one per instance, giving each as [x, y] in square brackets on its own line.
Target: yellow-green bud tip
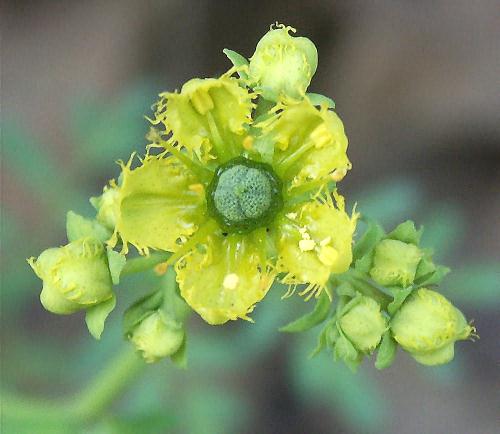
[364, 324]
[428, 325]
[395, 263]
[282, 65]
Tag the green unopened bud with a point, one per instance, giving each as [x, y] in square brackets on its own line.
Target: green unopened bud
[157, 337]
[428, 325]
[395, 263]
[283, 65]
[74, 277]
[107, 206]
[364, 324]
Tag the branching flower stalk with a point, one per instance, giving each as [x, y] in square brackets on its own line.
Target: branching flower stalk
[238, 189]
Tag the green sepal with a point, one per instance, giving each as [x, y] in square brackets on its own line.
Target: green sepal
[238, 61]
[311, 319]
[96, 316]
[425, 267]
[400, 296]
[346, 288]
[319, 100]
[386, 352]
[78, 227]
[329, 334]
[364, 264]
[407, 233]
[179, 358]
[434, 278]
[116, 262]
[141, 309]
[372, 236]
[173, 305]
[344, 350]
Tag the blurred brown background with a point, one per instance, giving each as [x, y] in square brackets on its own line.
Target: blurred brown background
[416, 84]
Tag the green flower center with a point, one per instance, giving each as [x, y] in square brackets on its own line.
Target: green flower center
[244, 195]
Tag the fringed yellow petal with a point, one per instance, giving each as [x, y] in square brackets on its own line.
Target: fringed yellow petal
[225, 277]
[208, 117]
[315, 240]
[160, 202]
[309, 144]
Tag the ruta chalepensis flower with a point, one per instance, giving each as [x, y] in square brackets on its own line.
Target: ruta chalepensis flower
[238, 199]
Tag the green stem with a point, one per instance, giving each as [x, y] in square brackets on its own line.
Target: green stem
[108, 385]
[85, 406]
[137, 265]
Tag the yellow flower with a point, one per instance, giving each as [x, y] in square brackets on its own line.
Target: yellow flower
[238, 201]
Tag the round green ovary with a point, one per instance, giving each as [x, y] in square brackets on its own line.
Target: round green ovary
[242, 194]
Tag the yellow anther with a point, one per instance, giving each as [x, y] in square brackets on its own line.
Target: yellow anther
[321, 136]
[338, 174]
[325, 242]
[307, 245]
[197, 188]
[248, 143]
[161, 269]
[231, 281]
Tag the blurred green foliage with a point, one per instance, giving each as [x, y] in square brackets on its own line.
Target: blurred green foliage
[50, 356]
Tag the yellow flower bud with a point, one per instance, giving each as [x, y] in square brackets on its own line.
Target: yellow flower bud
[427, 326]
[156, 338]
[74, 277]
[395, 263]
[364, 324]
[283, 65]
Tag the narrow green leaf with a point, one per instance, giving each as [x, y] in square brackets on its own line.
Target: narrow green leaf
[312, 319]
[96, 316]
[79, 227]
[116, 262]
[373, 234]
[238, 61]
[140, 310]
[386, 351]
[433, 278]
[318, 99]
[400, 296]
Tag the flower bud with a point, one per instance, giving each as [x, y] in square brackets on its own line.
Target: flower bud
[364, 324]
[75, 276]
[427, 326]
[107, 206]
[283, 65]
[395, 263]
[157, 337]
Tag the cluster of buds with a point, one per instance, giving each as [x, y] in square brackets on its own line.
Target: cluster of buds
[384, 301]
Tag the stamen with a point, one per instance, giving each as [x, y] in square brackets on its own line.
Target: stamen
[217, 141]
[203, 231]
[202, 172]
